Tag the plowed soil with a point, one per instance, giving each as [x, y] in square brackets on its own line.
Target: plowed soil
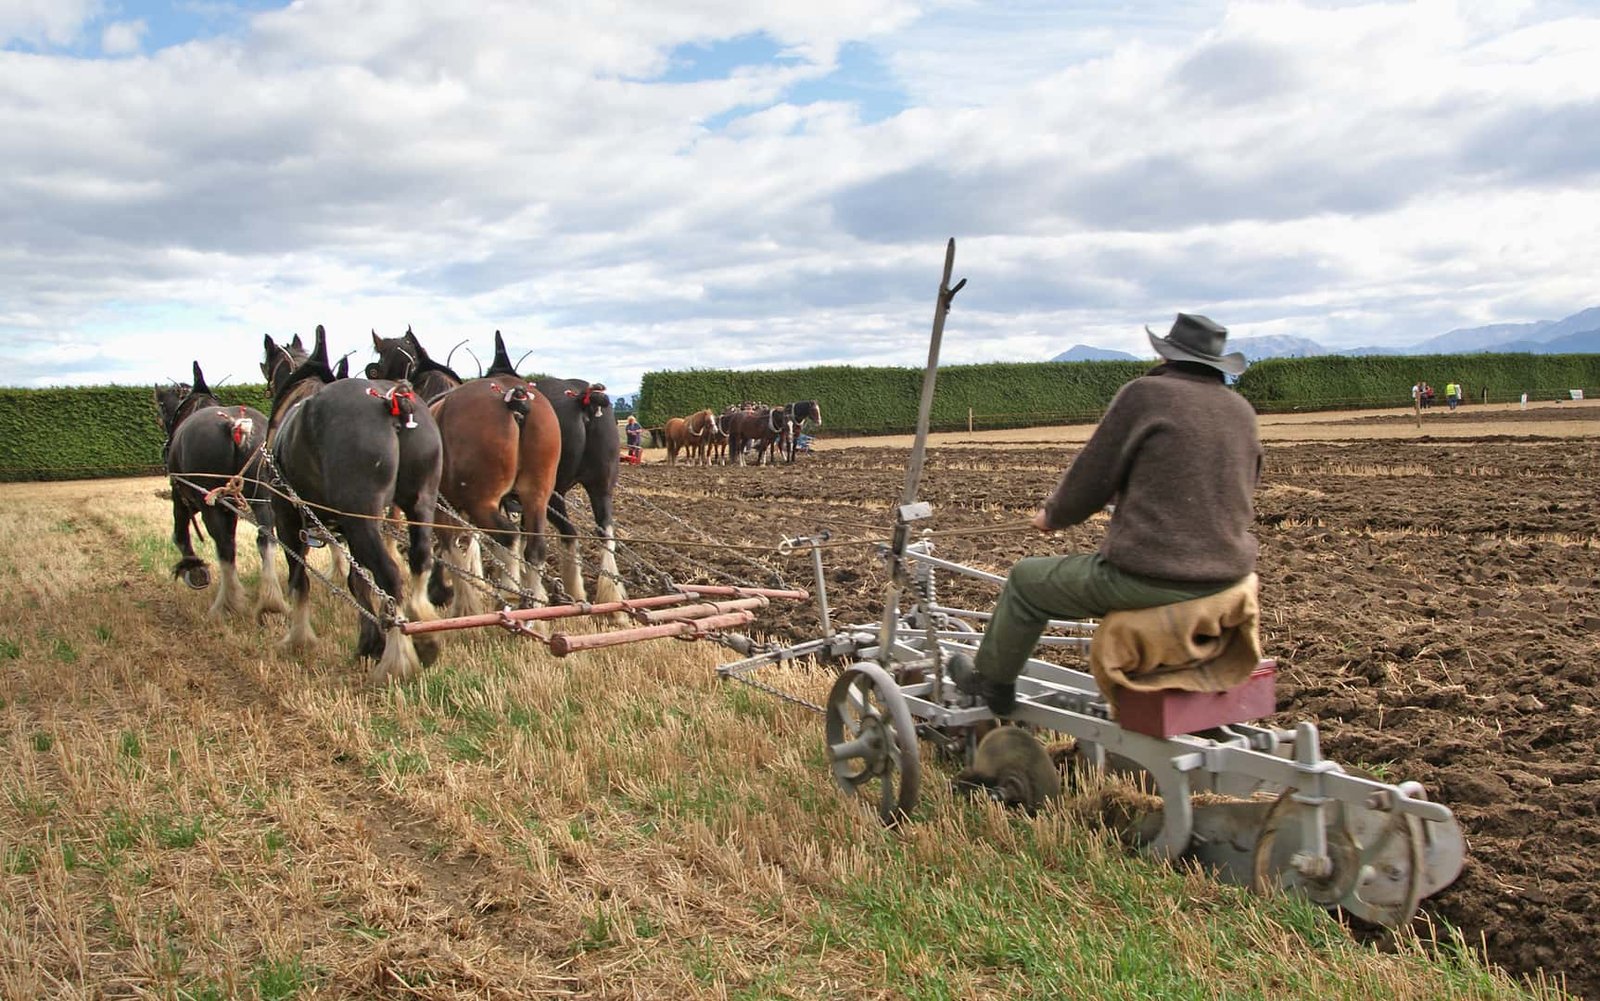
[1433, 603]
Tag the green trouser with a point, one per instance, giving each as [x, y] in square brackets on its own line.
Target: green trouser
[1085, 586]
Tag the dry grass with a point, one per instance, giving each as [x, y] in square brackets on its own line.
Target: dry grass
[187, 813]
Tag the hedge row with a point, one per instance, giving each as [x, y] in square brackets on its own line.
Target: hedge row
[1329, 382]
[113, 430]
[874, 400]
[881, 399]
[64, 434]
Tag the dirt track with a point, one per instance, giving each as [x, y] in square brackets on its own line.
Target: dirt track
[1570, 419]
[1434, 603]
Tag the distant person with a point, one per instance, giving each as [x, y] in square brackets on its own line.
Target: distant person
[1427, 396]
[1416, 395]
[635, 435]
[1180, 455]
[1452, 394]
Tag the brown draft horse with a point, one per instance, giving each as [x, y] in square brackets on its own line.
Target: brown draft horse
[590, 444]
[762, 428]
[354, 448]
[692, 436]
[500, 438]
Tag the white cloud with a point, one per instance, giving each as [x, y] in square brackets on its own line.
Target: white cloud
[121, 38]
[45, 22]
[1355, 173]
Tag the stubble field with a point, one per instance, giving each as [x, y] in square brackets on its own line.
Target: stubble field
[189, 813]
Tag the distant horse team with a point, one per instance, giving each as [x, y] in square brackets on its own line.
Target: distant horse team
[745, 432]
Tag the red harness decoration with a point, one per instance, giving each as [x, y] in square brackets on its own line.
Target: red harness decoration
[242, 427]
[393, 398]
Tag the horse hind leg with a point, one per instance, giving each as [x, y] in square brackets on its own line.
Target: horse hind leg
[269, 593]
[339, 567]
[188, 563]
[300, 635]
[571, 566]
[395, 652]
[230, 599]
[458, 589]
[415, 604]
[608, 584]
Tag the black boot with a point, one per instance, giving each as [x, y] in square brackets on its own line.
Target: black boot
[999, 696]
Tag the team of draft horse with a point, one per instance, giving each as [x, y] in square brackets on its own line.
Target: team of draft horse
[706, 437]
[339, 460]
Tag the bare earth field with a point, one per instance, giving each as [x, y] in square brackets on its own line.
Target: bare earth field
[188, 813]
[1433, 602]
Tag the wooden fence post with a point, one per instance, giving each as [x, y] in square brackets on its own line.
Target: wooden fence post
[969, 420]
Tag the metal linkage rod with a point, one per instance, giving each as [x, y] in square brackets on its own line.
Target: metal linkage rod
[601, 608]
[720, 590]
[702, 610]
[562, 644]
[543, 612]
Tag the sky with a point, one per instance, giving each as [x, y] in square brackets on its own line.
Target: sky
[623, 187]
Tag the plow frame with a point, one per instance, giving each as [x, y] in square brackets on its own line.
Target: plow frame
[1293, 818]
[1256, 765]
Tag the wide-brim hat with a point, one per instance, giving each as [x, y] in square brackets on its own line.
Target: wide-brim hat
[1198, 339]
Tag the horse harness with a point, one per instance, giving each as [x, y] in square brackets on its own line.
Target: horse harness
[402, 402]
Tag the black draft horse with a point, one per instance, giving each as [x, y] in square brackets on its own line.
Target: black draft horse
[799, 412]
[207, 445]
[354, 448]
[590, 444]
[404, 358]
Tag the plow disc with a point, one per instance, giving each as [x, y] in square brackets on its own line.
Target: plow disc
[1374, 866]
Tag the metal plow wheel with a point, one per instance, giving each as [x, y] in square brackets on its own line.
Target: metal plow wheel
[872, 742]
[1373, 867]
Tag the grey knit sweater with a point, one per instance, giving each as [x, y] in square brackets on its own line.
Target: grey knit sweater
[1179, 454]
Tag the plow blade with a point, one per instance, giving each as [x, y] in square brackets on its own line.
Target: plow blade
[1375, 864]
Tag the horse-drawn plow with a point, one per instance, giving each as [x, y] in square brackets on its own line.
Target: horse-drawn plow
[1255, 804]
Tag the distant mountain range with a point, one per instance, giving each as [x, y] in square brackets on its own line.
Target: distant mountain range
[1577, 334]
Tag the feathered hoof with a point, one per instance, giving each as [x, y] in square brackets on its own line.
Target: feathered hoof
[428, 647]
[399, 661]
[607, 589]
[194, 572]
[269, 605]
[297, 641]
[467, 600]
[441, 593]
[230, 600]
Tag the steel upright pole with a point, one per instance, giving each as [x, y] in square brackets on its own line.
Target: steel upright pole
[907, 512]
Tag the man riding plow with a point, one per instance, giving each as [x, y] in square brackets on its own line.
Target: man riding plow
[1177, 457]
